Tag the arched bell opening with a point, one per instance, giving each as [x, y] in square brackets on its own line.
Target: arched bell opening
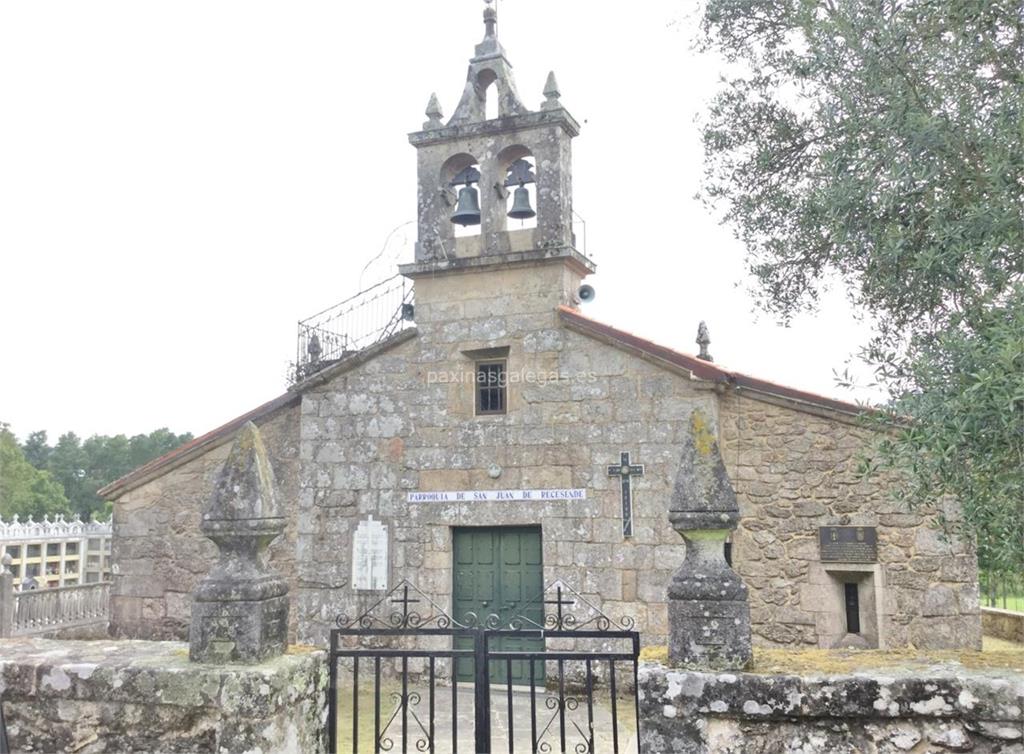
[488, 93]
[520, 183]
[460, 184]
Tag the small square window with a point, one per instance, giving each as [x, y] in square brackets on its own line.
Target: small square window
[491, 387]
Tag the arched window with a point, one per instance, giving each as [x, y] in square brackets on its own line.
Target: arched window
[489, 93]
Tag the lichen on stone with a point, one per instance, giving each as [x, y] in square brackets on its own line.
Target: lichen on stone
[703, 438]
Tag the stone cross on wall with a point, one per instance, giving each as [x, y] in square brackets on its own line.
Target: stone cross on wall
[240, 609]
[708, 611]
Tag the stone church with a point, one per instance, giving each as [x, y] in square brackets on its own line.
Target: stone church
[494, 439]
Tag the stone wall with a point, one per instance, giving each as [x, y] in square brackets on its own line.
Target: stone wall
[401, 422]
[158, 552]
[938, 710]
[107, 696]
[1003, 624]
[794, 471]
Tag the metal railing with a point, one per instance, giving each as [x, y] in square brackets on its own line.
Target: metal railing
[401, 672]
[352, 325]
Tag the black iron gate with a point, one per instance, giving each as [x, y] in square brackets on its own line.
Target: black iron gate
[394, 687]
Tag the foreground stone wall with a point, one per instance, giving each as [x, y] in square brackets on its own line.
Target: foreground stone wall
[1003, 624]
[107, 696]
[158, 552]
[938, 710]
[795, 471]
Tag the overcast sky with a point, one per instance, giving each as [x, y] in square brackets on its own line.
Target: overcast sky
[181, 181]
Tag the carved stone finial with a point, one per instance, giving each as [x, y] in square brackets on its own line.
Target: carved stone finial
[709, 614]
[5, 563]
[434, 113]
[490, 19]
[314, 349]
[551, 93]
[703, 341]
[240, 609]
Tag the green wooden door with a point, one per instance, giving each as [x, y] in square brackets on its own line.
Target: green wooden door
[499, 571]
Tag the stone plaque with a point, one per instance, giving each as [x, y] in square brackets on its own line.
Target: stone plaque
[848, 544]
[370, 556]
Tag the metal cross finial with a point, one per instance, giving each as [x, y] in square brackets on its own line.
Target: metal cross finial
[559, 603]
[405, 601]
[703, 341]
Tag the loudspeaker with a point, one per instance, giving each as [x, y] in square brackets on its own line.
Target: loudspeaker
[586, 294]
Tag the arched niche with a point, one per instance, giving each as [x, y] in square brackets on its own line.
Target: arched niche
[505, 161]
[490, 97]
[451, 169]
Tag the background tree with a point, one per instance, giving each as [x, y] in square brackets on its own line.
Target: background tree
[36, 449]
[83, 467]
[67, 462]
[880, 144]
[24, 489]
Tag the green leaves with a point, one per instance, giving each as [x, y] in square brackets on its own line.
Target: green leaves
[80, 468]
[883, 142]
[24, 490]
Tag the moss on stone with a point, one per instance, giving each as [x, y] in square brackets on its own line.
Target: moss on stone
[703, 438]
[654, 654]
[301, 649]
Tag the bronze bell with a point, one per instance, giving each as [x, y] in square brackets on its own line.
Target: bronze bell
[467, 210]
[521, 209]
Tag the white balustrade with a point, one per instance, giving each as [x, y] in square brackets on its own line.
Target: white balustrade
[41, 610]
[58, 528]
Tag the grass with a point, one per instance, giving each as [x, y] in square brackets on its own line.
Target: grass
[1010, 602]
[992, 644]
[994, 655]
[830, 661]
[1007, 589]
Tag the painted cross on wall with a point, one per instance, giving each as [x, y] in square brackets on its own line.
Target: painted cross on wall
[626, 471]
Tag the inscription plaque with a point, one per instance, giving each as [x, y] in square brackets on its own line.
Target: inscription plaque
[848, 544]
[370, 556]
